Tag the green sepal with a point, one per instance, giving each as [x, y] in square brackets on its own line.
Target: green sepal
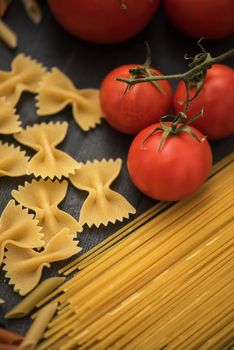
[151, 134]
[197, 116]
[163, 139]
[165, 127]
[192, 133]
[155, 83]
[143, 71]
[173, 128]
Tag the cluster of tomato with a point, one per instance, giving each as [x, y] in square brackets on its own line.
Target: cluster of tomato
[180, 167]
[183, 163]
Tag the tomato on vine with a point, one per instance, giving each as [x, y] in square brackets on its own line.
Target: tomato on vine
[217, 100]
[140, 106]
[206, 86]
[169, 160]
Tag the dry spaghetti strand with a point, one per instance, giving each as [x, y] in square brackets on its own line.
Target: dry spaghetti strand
[162, 281]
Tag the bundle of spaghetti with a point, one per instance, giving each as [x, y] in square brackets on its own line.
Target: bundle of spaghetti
[166, 284]
[138, 233]
[103, 246]
[67, 285]
[86, 258]
[157, 302]
[146, 294]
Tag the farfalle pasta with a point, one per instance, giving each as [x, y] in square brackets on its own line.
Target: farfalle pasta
[48, 161]
[56, 91]
[13, 161]
[9, 120]
[18, 227]
[43, 198]
[24, 266]
[25, 75]
[102, 205]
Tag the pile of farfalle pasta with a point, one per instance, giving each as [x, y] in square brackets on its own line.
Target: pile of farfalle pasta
[34, 232]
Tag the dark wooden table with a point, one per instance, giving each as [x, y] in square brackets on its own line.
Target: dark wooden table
[87, 64]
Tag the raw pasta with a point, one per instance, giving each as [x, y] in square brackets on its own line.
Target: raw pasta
[9, 120]
[38, 327]
[13, 161]
[24, 307]
[101, 247]
[23, 232]
[33, 10]
[25, 75]
[24, 266]
[7, 35]
[102, 205]
[56, 91]
[43, 198]
[168, 284]
[48, 161]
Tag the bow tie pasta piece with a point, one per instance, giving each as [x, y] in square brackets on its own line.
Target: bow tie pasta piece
[13, 161]
[43, 198]
[24, 266]
[56, 91]
[19, 227]
[48, 161]
[102, 205]
[25, 75]
[9, 121]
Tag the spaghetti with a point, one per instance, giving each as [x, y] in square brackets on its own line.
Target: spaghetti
[163, 281]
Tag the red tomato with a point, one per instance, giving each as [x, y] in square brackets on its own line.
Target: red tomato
[141, 106]
[211, 19]
[176, 171]
[217, 98]
[103, 21]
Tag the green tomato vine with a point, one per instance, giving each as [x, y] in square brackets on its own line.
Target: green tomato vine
[194, 77]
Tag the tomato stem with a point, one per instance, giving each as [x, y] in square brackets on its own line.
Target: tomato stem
[144, 71]
[194, 77]
[209, 61]
[175, 127]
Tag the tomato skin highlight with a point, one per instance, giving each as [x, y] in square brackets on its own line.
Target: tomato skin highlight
[103, 21]
[217, 99]
[176, 171]
[211, 19]
[141, 106]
